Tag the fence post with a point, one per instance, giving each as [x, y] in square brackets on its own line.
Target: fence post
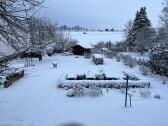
[126, 93]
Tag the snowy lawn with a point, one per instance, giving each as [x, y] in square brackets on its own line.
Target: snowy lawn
[35, 100]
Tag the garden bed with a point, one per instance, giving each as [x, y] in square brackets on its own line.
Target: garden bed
[104, 83]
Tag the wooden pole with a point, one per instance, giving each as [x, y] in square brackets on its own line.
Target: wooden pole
[126, 93]
[130, 100]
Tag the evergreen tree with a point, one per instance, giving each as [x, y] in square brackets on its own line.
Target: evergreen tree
[141, 21]
[162, 35]
[159, 59]
[159, 54]
[145, 39]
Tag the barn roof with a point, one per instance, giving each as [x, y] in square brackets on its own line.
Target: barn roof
[82, 46]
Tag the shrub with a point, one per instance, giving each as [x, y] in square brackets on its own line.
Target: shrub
[128, 60]
[118, 58]
[144, 70]
[164, 81]
[79, 91]
[159, 60]
[145, 94]
[94, 91]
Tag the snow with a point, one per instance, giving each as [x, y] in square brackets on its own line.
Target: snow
[6, 49]
[92, 38]
[35, 100]
[98, 56]
[2, 79]
[136, 55]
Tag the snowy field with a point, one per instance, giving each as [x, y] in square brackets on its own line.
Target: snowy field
[35, 100]
[92, 38]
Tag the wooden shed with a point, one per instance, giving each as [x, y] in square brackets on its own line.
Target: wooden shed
[80, 50]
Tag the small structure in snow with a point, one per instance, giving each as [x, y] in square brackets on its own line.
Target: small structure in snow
[104, 50]
[157, 96]
[71, 77]
[55, 64]
[90, 76]
[97, 59]
[80, 50]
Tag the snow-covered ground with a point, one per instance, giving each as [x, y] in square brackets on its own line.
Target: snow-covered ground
[35, 100]
[92, 38]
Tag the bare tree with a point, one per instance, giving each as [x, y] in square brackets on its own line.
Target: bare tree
[128, 27]
[164, 16]
[42, 32]
[14, 17]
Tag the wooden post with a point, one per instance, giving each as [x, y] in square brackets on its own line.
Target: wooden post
[126, 93]
[130, 100]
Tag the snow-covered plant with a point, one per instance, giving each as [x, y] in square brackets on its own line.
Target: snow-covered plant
[145, 93]
[144, 70]
[164, 81]
[78, 90]
[118, 58]
[141, 21]
[159, 59]
[94, 91]
[128, 60]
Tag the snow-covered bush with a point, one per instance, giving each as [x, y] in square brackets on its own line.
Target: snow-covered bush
[145, 93]
[118, 58]
[79, 91]
[159, 60]
[128, 60]
[164, 81]
[94, 91]
[70, 93]
[49, 50]
[144, 70]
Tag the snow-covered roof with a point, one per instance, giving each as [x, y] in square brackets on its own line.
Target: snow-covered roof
[98, 56]
[104, 49]
[71, 75]
[90, 75]
[86, 46]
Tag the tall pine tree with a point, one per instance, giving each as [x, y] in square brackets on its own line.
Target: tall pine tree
[141, 21]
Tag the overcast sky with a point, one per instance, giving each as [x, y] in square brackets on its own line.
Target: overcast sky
[99, 13]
